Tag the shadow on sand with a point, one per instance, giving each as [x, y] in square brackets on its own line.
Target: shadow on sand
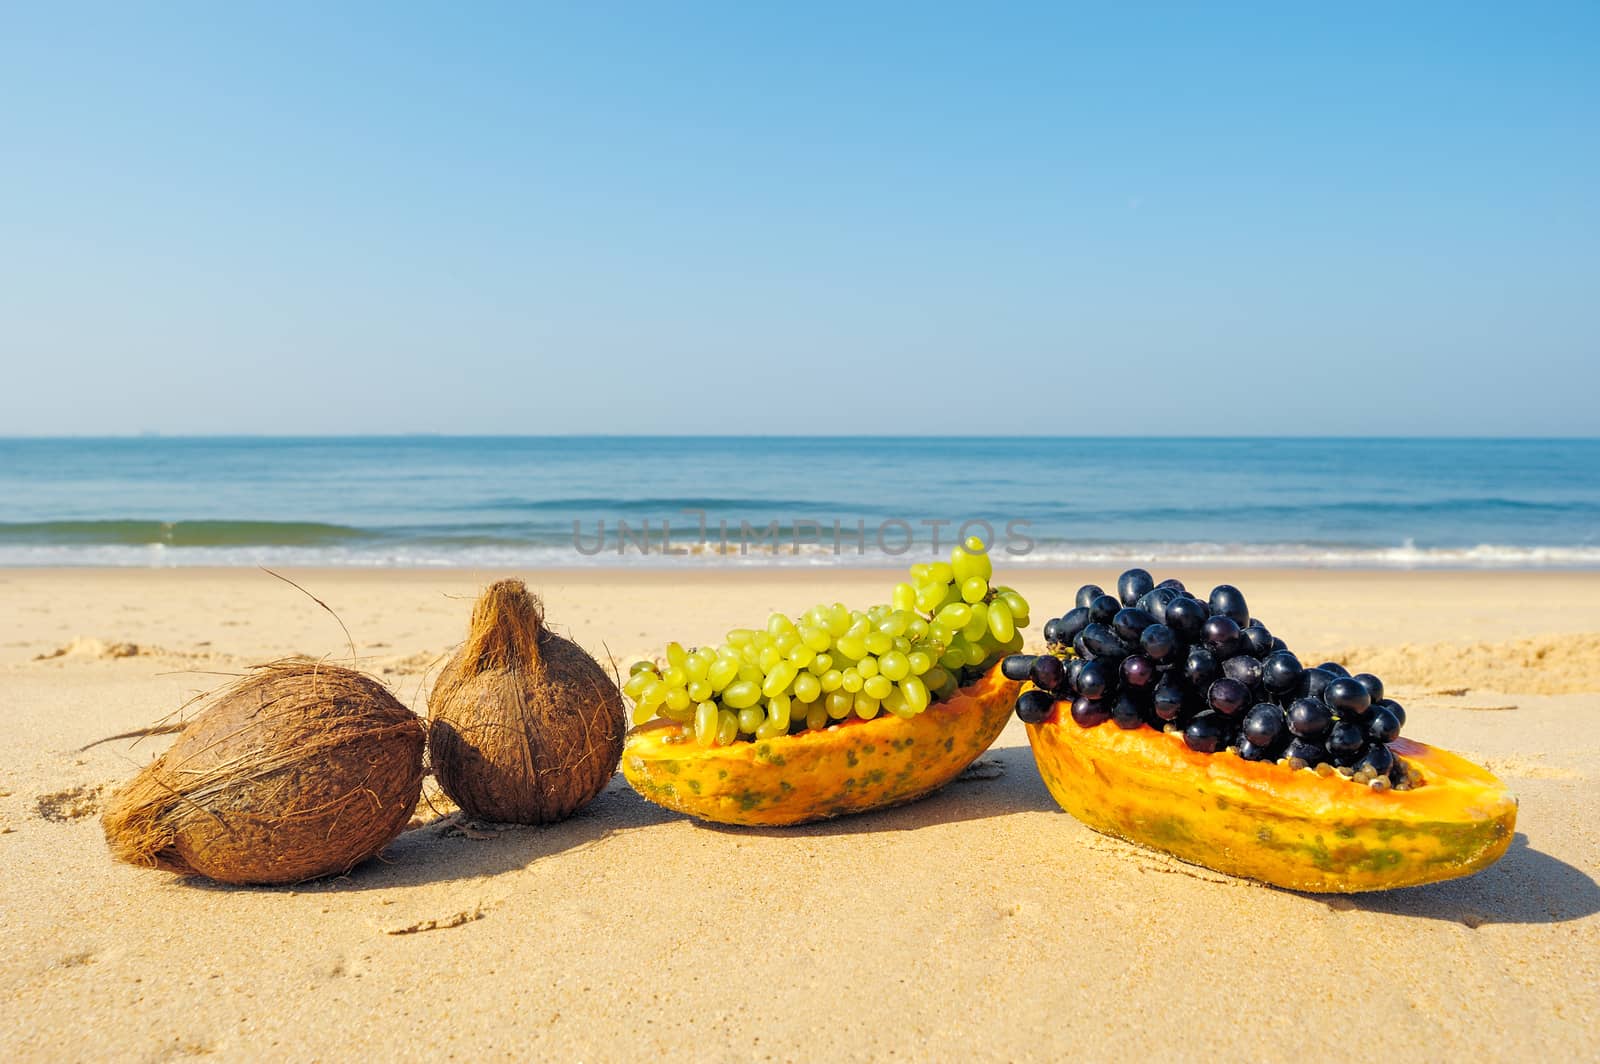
[1523, 887]
[1526, 886]
[440, 852]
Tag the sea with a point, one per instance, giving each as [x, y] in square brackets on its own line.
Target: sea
[682, 502]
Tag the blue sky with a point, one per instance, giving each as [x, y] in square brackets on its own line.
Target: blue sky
[804, 218]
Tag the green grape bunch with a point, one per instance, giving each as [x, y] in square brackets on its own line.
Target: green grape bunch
[941, 628]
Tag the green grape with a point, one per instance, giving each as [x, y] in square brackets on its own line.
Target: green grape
[742, 693]
[929, 596]
[839, 705]
[706, 720]
[807, 687]
[1000, 621]
[779, 679]
[978, 554]
[898, 657]
[978, 627]
[750, 718]
[894, 665]
[722, 672]
[816, 637]
[961, 567]
[916, 693]
[955, 616]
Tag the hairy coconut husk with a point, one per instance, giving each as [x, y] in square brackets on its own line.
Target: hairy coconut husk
[525, 727]
[298, 770]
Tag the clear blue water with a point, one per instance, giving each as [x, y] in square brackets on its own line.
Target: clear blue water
[515, 501]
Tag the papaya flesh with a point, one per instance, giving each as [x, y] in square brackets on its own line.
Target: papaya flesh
[1292, 828]
[850, 767]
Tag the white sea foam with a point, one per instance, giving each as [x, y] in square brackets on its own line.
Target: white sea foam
[402, 555]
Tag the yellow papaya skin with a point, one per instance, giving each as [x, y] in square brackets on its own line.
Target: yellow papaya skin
[1291, 828]
[815, 775]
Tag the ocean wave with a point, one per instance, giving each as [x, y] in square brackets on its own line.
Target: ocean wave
[142, 533]
[386, 553]
[1366, 508]
[664, 506]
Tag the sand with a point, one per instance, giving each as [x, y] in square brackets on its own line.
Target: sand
[982, 922]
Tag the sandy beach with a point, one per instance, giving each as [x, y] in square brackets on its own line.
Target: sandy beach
[982, 922]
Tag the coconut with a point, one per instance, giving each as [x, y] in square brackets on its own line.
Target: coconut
[298, 770]
[524, 726]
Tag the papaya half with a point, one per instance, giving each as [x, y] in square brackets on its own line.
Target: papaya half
[1290, 827]
[851, 767]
